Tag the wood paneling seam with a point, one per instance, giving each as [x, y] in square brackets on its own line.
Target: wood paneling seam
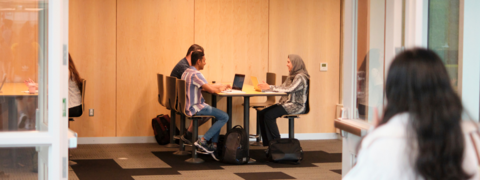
[116, 65]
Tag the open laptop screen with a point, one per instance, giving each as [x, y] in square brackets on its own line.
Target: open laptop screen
[238, 81]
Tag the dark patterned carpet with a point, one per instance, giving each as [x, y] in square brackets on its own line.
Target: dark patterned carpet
[101, 169]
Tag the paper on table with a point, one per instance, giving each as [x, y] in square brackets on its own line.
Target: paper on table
[29, 91]
[232, 92]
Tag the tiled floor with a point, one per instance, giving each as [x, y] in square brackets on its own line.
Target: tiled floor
[152, 161]
[322, 160]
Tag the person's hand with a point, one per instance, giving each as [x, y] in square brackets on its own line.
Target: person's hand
[31, 83]
[227, 86]
[224, 87]
[28, 81]
[263, 86]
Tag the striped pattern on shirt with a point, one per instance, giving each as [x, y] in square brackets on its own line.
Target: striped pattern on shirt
[194, 81]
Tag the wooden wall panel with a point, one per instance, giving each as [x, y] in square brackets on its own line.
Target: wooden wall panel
[311, 29]
[92, 41]
[153, 35]
[234, 35]
[120, 46]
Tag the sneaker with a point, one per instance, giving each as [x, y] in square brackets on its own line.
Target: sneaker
[186, 138]
[266, 152]
[203, 145]
[22, 121]
[201, 151]
[215, 155]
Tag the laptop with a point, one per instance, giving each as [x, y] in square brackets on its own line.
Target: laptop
[255, 83]
[237, 84]
[3, 82]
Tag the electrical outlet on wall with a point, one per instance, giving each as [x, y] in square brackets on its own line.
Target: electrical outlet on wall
[90, 112]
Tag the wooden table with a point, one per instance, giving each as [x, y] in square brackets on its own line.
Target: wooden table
[9, 92]
[248, 91]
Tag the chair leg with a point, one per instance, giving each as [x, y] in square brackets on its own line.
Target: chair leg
[181, 150]
[194, 158]
[172, 130]
[291, 123]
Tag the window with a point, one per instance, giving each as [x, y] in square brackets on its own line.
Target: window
[443, 37]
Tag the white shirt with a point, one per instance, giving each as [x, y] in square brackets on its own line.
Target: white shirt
[386, 154]
[74, 94]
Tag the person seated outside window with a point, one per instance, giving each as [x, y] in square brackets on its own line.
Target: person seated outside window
[195, 105]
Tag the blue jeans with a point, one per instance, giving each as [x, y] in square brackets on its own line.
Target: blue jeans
[221, 118]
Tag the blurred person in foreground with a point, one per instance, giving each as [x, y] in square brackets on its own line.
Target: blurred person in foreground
[420, 135]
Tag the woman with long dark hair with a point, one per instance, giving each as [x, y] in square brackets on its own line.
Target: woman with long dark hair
[74, 90]
[420, 134]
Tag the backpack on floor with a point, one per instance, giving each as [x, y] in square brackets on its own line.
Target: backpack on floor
[285, 151]
[235, 146]
[161, 129]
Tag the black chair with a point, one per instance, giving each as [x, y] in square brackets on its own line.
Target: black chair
[161, 91]
[291, 123]
[259, 106]
[170, 104]
[182, 99]
[167, 104]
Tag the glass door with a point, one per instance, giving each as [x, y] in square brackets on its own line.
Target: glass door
[370, 57]
[378, 35]
[33, 89]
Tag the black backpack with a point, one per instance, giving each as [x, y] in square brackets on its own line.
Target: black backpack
[161, 129]
[285, 151]
[235, 146]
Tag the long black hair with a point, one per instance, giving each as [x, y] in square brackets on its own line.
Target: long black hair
[418, 83]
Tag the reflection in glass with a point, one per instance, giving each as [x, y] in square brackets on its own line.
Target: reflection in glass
[20, 49]
[370, 57]
[23, 162]
[443, 27]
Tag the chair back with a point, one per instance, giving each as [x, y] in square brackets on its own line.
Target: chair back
[161, 95]
[84, 87]
[284, 78]
[307, 104]
[181, 95]
[170, 92]
[271, 77]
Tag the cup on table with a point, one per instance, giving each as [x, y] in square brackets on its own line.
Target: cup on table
[32, 88]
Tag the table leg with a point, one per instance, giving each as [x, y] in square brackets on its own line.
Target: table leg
[13, 124]
[246, 121]
[12, 114]
[229, 112]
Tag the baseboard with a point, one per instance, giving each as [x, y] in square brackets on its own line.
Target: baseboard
[313, 136]
[151, 139]
[116, 140]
